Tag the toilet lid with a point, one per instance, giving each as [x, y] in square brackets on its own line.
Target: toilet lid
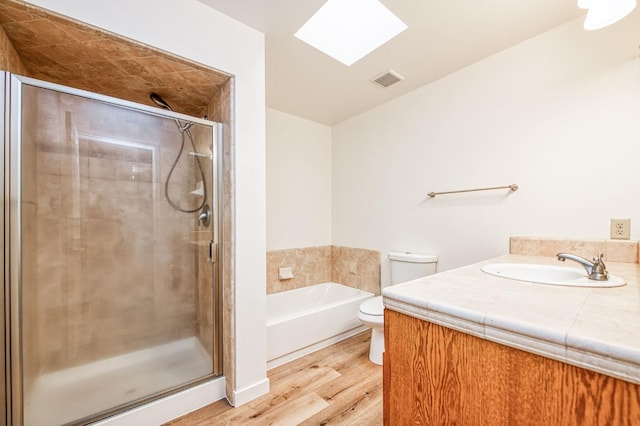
[372, 306]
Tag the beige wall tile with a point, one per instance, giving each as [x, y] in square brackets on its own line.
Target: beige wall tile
[9, 57]
[67, 52]
[75, 54]
[220, 109]
[584, 248]
[550, 247]
[116, 267]
[613, 250]
[310, 265]
[359, 268]
[622, 251]
[588, 248]
[524, 245]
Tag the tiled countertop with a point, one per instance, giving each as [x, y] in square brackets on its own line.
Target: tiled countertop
[593, 328]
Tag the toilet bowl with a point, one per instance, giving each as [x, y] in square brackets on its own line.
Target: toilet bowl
[404, 267]
[371, 313]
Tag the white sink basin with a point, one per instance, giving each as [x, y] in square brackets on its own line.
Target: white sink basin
[548, 274]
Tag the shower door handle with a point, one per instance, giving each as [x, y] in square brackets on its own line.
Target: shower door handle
[213, 252]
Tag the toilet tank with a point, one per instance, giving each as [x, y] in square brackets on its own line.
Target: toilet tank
[407, 266]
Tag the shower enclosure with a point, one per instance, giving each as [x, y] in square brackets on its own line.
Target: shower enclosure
[112, 290]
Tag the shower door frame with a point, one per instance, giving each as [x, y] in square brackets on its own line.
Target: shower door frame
[11, 158]
[12, 242]
[5, 392]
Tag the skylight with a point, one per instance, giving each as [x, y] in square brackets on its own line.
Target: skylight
[348, 30]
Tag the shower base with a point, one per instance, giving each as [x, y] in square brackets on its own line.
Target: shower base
[67, 395]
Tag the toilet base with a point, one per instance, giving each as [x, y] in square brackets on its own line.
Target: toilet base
[377, 346]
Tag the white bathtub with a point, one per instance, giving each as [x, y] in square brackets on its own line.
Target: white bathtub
[306, 319]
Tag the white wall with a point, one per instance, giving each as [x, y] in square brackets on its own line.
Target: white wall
[298, 182]
[190, 29]
[558, 114]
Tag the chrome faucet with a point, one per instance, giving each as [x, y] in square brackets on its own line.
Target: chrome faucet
[596, 270]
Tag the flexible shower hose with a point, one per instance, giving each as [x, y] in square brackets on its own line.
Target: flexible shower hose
[185, 130]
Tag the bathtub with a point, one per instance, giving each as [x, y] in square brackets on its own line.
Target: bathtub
[306, 319]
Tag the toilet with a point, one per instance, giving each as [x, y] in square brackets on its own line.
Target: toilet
[404, 267]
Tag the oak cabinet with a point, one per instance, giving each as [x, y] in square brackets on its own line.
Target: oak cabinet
[433, 375]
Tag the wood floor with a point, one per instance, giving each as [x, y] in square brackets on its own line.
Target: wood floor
[337, 385]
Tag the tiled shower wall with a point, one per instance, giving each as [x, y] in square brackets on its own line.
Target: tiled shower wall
[111, 265]
[354, 267]
[220, 110]
[201, 237]
[9, 59]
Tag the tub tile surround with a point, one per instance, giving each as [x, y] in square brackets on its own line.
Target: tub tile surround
[354, 267]
[311, 265]
[359, 268]
[593, 328]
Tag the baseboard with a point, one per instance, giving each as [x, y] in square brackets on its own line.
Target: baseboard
[250, 393]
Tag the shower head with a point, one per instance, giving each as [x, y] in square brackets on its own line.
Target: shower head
[157, 99]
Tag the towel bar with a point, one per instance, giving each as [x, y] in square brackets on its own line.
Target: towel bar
[513, 187]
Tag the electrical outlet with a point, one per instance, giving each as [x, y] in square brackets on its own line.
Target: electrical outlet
[620, 229]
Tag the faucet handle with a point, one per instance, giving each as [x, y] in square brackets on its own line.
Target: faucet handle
[599, 269]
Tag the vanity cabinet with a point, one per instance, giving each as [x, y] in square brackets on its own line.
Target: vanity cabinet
[438, 376]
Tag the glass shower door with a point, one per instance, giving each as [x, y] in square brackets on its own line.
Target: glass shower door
[117, 280]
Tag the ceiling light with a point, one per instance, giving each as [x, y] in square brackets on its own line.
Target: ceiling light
[605, 12]
[348, 30]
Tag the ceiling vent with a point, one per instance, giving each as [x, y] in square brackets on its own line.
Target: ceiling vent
[388, 78]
